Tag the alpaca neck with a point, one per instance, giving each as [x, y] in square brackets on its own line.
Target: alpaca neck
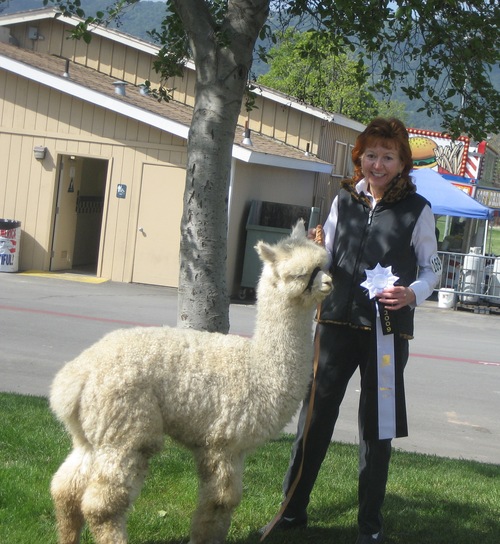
[282, 355]
[284, 322]
[282, 331]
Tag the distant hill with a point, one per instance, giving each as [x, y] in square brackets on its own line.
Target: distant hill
[147, 15]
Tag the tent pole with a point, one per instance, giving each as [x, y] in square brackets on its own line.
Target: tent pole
[447, 226]
[486, 228]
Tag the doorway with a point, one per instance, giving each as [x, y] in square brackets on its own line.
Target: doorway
[79, 211]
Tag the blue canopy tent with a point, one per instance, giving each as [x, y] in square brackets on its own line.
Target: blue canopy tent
[448, 200]
[445, 198]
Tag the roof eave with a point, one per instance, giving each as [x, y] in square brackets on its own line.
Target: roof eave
[250, 156]
[28, 16]
[67, 86]
[152, 49]
[290, 102]
[52, 13]
[118, 105]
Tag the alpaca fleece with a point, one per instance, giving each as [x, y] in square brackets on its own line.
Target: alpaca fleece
[219, 395]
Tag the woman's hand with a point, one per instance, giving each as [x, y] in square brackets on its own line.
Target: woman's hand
[317, 235]
[397, 297]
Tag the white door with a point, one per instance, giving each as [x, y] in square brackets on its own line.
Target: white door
[156, 259]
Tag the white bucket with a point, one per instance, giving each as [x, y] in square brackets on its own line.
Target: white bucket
[446, 298]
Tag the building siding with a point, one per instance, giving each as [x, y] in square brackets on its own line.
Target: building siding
[33, 115]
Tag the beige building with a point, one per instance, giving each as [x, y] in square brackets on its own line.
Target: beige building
[94, 169]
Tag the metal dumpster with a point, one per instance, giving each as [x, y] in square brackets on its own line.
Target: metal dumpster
[267, 221]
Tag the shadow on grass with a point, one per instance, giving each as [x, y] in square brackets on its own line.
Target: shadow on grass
[313, 535]
[446, 521]
[409, 521]
[406, 522]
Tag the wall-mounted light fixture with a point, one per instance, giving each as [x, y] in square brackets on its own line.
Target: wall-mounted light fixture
[246, 135]
[39, 151]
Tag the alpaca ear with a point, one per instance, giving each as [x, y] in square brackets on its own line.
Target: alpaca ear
[299, 231]
[265, 251]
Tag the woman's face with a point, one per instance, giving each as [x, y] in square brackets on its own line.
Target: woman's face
[380, 165]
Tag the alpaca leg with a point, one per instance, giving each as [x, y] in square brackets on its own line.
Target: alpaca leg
[67, 488]
[220, 489]
[114, 483]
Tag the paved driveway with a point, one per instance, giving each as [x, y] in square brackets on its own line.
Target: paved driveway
[452, 378]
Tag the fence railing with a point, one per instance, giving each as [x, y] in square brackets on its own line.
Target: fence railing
[475, 279]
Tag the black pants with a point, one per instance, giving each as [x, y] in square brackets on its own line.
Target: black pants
[342, 350]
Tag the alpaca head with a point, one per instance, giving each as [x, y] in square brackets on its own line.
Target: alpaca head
[293, 267]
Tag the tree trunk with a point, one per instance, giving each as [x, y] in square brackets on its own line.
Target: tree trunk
[222, 61]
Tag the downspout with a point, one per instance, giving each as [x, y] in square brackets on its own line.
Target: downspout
[229, 223]
[230, 195]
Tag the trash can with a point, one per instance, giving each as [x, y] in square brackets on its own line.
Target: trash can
[10, 236]
[267, 221]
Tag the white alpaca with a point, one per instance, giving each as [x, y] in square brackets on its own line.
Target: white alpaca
[219, 395]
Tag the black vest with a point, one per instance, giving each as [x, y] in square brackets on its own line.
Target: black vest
[363, 238]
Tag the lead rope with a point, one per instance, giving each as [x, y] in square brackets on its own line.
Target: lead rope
[270, 526]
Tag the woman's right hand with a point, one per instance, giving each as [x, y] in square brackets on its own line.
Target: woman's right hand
[317, 235]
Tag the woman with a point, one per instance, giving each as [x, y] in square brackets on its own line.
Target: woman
[381, 238]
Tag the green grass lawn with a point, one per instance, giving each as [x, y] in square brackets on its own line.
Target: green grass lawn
[430, 500]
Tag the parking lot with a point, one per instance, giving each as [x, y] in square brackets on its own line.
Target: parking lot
[452, 379]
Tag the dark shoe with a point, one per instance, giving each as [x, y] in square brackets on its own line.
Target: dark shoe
[285, 524]
[370, 539]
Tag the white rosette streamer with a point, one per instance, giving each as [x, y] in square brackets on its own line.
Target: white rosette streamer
[378, 279]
